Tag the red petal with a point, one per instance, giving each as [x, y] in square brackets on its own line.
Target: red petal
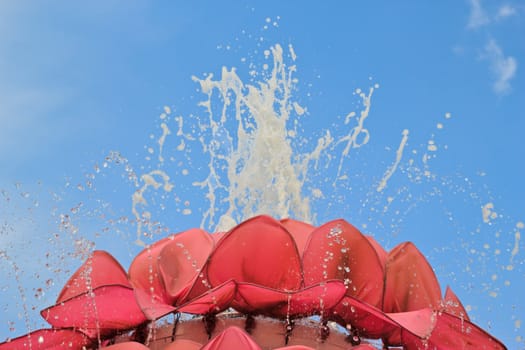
[419, 323]
[129, 345]
[214, 301]
[300, 231]
[337, 250]
[216, 236]
[302, 347]
[232, 338]
[370, 321]
[183, 344]
[453, 305]
[260, 251]
[103, 310]
[99, 269]
[381, 252]
[315, 299]
[166, 270]
[255, 299]
[48, 339]
[451, 332]
[144, 273]
[181, 261]
[456, 333]
[153, 307]
[410, 281]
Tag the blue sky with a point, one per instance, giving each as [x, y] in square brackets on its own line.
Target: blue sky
[77, 82]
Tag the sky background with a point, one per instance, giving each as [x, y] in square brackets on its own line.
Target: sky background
[79, 82]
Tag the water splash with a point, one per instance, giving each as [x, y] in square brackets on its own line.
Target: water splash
[250, 136]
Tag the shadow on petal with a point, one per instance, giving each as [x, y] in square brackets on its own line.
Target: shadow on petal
[256, 299]
[214, 301]
[181, 260]
[164, 273]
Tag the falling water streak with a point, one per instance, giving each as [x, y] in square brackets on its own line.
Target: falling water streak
[351, 139]
[151, 278]
[517, 237]
[289, 321]
[91, 293]
[392, 169]
[165, 132]
[21, 292]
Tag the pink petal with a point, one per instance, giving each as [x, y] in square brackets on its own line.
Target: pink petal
[214, 301]
[260, 251]
[299, 230]
[453, 305]
[232, 338]
[103, 310]
[129, 345]
[99, 269]
[48, 339]
[256, 299]
[410, 282]
[337, 250]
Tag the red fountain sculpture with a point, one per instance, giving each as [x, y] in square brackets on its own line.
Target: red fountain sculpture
[265, 284]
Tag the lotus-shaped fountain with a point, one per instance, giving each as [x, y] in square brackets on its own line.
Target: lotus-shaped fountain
[266, 283]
